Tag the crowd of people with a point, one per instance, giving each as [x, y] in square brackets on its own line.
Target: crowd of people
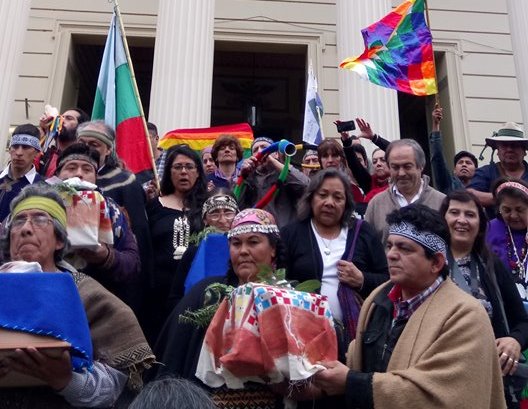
[426, 276]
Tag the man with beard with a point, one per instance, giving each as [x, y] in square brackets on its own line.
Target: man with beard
[406, 160]
[67, 136]
[23, 148]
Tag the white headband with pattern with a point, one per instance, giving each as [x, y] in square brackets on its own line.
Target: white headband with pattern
[429, 240]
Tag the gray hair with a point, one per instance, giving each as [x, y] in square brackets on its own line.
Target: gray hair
[419, 154]
[43, 190]
[101, 125]
[304, 208]
[172, 393]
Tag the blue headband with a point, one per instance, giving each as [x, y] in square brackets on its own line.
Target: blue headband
[25, 139]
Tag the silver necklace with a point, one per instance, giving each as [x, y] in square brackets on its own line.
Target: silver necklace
[180, 236]
[327, 250]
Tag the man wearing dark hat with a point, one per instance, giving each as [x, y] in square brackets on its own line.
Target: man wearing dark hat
[310, 163]
[465, 163]
[20, 172]
[511, 146]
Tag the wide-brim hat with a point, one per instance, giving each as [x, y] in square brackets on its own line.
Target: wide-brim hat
[510, 132]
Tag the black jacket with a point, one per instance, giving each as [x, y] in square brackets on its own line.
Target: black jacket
[304, 260]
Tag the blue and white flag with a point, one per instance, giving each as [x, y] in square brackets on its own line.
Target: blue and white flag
[313, 112]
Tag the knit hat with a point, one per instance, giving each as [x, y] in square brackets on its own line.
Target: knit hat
[253, 221]
[94, 133]
[510, 132]
[261, 139]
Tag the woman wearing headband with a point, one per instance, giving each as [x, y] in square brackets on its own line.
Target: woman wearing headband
[506, 235]
[36, 232]
[481, 274]
[208, 255]
[254, 244]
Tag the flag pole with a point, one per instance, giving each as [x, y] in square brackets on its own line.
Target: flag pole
[437, 96]
[136, 91]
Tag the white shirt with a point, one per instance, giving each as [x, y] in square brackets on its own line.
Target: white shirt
[30, 175]
[330, 281]
[402, 201]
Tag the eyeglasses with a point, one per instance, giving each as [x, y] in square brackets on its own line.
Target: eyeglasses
[38, 221]
[228, 215]
[187, 166]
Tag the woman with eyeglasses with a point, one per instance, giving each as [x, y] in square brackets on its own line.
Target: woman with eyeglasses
[173, 217]
[208, 253]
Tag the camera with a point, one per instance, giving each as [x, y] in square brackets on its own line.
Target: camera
[345, 126]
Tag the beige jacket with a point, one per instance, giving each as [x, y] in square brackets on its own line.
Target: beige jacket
[445, 357]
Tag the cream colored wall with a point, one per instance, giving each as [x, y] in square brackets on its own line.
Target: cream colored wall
[489, 85]
[479, 45]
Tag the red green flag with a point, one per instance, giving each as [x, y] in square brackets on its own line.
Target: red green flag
[116, 103]
[398, 52]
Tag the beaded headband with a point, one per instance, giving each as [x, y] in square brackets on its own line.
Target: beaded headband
[253, 221]
[219, 202]
[25, 139]
[513, 185]
[78, 156]
[429, 240]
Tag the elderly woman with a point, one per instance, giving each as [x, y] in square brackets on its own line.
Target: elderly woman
[173, 217]
[330, 245]
[480, 273]
[36, 232]
[209, 255]
[254, 244]
[507, 233]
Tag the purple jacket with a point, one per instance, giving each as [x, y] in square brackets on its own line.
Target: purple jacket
[498, 238]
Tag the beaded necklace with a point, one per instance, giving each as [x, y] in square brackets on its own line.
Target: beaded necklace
[517, 264]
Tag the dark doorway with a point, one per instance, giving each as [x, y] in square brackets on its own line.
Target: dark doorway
[83, 70]
[262, 84]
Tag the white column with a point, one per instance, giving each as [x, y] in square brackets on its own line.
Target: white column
[182, 78]
[14, 15]
[357, 97]
[518, 15]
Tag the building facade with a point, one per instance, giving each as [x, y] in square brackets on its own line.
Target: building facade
[210, 62]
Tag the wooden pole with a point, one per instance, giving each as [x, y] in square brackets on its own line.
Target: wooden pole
[437, 95]
[136, 91]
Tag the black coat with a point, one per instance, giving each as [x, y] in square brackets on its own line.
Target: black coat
[304, 260]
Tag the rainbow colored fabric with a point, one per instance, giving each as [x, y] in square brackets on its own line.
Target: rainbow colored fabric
[398, 52]
[199, 138]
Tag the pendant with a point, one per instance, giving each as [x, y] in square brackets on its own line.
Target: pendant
[522, 290]
[178, 252]
[326, 251]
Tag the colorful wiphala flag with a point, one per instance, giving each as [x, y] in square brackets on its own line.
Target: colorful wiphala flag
[313, 112]
[199, 138]
[116, 103]
[398, 52]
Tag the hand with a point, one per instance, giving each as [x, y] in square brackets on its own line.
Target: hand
[98, 256]
[349, 274]
[249, 165]
[365, 129]
[509, 352]
[333, 379]
[45, 121]
[305, 391]
[151, 190]
[55, 372]
[437, 117]
[344, 135]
